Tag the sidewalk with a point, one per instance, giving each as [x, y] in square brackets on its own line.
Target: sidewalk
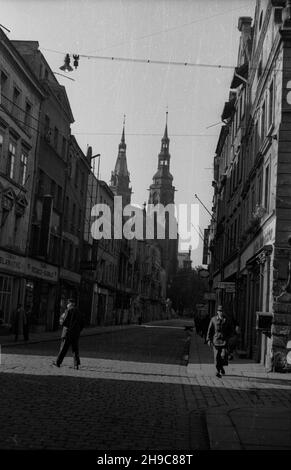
[258, 427]
[45, 336]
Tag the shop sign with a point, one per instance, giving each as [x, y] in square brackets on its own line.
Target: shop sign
[11, 262]
[226, 285]
[231, 269]
[209, 296]
[70, 276]
[41, 270]
[263, 239]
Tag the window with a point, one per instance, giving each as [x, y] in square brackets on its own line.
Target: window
[56, 138]
[11, 159]
[53, 190]
[77, 259]
[270, 110]
[261, 20]
[15, 102]
[59, 198]
[70, 255]
[47, 129]
[64, 146]
[67, 211]
[263, 122]
[260, 187]
[76, 174]
[1, 144]
[23, 167]
[4, 89]
[73, 217]
[242, 108]
[27, 116]
[260, 69]
[267, 188]
[253, 200]
[82, 182]
[41, 178]
[6, 297]
[80, 220]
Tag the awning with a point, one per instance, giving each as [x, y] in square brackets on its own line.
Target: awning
[227, 110]
[239, 76]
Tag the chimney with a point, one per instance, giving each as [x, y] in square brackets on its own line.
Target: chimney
[244, 24]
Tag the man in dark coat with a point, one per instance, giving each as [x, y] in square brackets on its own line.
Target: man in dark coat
[217, 336]
[73, 323]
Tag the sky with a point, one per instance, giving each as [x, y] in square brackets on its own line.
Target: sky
[196, 31]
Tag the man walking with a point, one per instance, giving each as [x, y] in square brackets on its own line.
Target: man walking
[217, 336]
[73, 323]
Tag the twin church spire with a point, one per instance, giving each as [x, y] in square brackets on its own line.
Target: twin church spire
[161, 190]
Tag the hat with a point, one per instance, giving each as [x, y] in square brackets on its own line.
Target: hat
[219, 308]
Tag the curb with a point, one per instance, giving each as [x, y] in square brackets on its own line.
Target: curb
[57, 338]
[221, 431]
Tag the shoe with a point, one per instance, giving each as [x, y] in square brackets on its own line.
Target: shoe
[56, 364]
[218, 374]
[222, 371]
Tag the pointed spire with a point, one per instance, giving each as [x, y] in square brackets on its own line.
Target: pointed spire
[123, 131]
[166, 128]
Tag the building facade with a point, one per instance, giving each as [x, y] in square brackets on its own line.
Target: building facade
[20, 104]
[249, 238]
[49, 232]
[162, 192]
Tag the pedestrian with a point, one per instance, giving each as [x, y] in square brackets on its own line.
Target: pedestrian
[234, 338]
[20, 323]
[73, 322]
[27, 314]
[217, 337]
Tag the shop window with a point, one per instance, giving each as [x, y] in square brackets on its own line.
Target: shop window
[6, 298]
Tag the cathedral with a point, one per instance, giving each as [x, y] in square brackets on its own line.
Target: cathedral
[161, 191]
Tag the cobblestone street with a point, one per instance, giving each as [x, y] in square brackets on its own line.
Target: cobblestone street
[132, 392]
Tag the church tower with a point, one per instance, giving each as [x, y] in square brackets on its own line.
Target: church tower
[119, 182]
[162, 190]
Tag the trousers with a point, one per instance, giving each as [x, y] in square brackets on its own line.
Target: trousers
[68, 341]
[218, 360]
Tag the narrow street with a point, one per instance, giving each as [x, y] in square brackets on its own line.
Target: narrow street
[132, 392]
[135, 391]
